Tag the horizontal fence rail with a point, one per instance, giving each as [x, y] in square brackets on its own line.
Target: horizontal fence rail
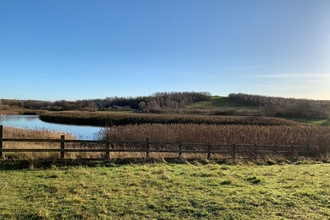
[147, 147]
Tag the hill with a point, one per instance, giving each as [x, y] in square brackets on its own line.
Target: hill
[310, 112]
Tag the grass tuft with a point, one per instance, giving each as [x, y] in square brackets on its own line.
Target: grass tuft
[254, 180]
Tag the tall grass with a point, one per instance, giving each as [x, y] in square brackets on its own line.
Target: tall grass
[25, 133]
[312, 141]
[226, 134]
[15, 132]
[316, 137]
[21, 112]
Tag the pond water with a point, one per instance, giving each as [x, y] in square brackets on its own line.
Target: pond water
[33, 122]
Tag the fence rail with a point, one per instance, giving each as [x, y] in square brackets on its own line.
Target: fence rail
[210, 150]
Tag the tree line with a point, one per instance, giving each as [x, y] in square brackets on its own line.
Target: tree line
[285, 107]
[160, 100]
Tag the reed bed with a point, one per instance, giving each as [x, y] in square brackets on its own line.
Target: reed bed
[26, 133]
[316, 137]
[36, 133]
[314, 140]
[225, 134]
[22, 112]
[102, 119]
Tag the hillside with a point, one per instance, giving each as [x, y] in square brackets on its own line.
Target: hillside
[227, 105]
[223, 105]
[218, 102]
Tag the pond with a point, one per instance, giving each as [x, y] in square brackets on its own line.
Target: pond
[33, 122]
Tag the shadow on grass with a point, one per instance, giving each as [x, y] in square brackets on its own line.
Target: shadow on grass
[17, 164]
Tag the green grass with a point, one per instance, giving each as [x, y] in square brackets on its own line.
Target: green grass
[311, 121]
[216, 102]
[221, 102]
[116, 111]
[167, 191]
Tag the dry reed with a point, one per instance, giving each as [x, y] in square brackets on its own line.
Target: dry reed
[313, 136]
[101, 119]
[226, 134]
[25, 133]
[316, 138]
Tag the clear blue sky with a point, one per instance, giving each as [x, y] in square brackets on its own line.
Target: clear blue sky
[79, 49]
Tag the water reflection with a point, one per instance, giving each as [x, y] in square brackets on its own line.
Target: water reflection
[33, 122]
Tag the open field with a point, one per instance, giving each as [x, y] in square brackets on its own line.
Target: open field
[222, 105]
[167, 191]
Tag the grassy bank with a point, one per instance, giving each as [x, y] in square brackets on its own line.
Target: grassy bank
[167, 191]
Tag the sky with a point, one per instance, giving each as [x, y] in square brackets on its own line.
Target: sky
[84, 49]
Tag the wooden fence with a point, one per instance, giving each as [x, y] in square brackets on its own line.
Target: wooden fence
[145, 148]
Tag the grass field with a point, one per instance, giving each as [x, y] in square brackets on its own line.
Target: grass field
[222, 105]
[311, 121]
[167, 191]
[216, 102]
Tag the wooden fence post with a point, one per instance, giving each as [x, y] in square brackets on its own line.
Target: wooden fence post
[275, 149]
[208, 151]
[1, 131]
[62, 146]
[234, 151]
[147, 147]
[255, 150]
[107, 150]
[180, 149]
[292, 151]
